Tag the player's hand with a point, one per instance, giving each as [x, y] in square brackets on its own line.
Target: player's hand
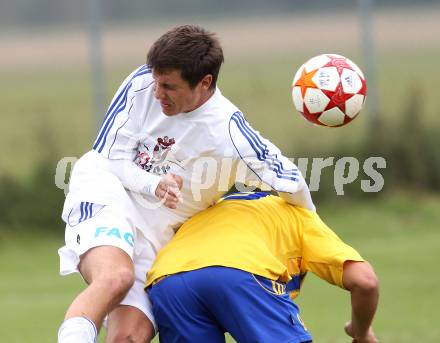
[168, 190]
[368, 338]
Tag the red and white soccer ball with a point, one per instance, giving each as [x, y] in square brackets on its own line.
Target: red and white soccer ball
[329, 90]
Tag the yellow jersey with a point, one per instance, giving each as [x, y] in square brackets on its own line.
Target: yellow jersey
[258, 233]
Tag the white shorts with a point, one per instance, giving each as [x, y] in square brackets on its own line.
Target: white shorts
[92, 225]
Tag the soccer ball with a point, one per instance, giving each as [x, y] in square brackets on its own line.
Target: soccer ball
[329, 90]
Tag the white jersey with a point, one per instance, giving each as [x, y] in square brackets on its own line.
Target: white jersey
[211, 148]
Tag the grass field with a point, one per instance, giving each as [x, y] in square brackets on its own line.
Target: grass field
[398, 235]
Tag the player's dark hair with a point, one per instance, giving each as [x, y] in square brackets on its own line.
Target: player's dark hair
[190, 49]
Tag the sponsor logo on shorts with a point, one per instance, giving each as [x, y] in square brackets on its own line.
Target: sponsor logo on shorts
[115, 232]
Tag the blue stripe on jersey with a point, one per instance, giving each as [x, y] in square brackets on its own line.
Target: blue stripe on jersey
[140, 90]
[142, 70]
[106, 125]
[246, 196]
[115, 108]
[261, 149]
[116, 134]
[112, 119]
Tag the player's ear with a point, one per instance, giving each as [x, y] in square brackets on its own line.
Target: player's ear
[206, 82]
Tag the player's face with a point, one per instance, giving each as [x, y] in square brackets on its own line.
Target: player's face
[176, 96]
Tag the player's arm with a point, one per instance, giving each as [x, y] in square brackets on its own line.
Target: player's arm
[361, 281]
[329, 258]
[118, 140]
[267, 164]
[357, 277]
[167, 187]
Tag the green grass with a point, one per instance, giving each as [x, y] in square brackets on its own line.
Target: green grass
[399, 235]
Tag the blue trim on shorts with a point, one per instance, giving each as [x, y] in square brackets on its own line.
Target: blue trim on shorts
[81, 212]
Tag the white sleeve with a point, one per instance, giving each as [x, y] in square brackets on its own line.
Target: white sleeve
[119, 137]
[133, 177]
[267, 163]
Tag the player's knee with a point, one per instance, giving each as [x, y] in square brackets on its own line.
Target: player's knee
[119, 282]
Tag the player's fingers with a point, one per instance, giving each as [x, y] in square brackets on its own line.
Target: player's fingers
[175, 192]
[166, 185]
[165, 196]
[168, 191]
[170, 202]
[171, 205]
[161, 192]
[178, 180]
[173, 189]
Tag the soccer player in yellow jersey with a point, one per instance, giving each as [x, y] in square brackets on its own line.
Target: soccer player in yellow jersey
[233, 267]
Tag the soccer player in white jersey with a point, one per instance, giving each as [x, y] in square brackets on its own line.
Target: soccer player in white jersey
[170, 146]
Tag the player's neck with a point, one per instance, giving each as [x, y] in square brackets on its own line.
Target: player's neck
[203, 99]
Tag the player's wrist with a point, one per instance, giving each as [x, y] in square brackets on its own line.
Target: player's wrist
[150, 187]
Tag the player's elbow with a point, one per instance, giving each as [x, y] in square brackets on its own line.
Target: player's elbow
[360, 277]
[369, 284]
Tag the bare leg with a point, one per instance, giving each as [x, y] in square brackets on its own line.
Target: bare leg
[128, 324]
[109, 272]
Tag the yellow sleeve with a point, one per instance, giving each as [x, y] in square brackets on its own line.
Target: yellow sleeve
[324, 253]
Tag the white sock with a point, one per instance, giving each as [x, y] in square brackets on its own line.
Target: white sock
[77, 330]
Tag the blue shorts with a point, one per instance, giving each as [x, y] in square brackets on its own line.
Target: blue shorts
[201, 305]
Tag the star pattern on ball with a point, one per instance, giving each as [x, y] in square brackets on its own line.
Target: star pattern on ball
[363, 90]
[337, 98]
[337, 90]
[305, 81]
[340, 63]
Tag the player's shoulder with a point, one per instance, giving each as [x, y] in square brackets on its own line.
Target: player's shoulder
[233, 116]
[229, 113]
[141, 78]
[215, 118]
[226, 106]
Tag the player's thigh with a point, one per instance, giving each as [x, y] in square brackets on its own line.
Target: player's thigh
[255, 309]
[106, 262]
[129, 324]
[178, 306]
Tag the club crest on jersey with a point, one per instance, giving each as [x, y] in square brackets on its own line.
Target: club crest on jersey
[155, 159]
